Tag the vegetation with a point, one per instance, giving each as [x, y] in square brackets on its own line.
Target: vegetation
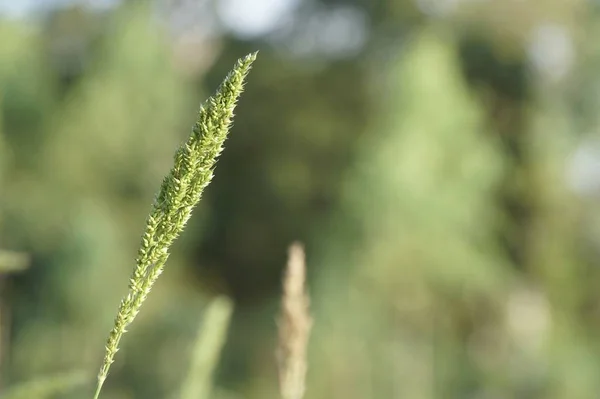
[179, 193]
[436, 160]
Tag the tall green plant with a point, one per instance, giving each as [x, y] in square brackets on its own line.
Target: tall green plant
[207, 349]
[179, 193]
[413, 241]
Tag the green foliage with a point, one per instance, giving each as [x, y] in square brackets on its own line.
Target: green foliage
[179, 193]
[76, 205]
[47, 387]
[416, 235]
[448, 255]
[12, 261]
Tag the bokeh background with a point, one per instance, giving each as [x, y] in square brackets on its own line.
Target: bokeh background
[440, 160]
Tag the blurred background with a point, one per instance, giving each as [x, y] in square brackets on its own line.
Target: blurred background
[440, 160]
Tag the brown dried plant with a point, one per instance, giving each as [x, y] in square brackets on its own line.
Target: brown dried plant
[294, 327]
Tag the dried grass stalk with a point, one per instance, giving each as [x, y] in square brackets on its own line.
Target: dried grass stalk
[294, 327]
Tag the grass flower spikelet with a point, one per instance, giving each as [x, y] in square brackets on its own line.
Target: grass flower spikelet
[179, 193]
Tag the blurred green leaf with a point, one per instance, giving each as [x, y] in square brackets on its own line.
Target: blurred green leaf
[46, 387]
[11, 262]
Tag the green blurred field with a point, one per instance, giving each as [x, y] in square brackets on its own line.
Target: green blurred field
[439, 160]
